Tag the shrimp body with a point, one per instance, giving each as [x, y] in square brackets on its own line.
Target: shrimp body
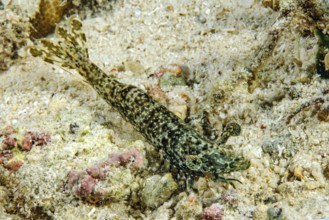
[183, 147]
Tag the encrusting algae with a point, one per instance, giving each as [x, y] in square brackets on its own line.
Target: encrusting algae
[183, 147]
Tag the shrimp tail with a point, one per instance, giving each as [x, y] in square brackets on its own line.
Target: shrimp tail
[70, 51]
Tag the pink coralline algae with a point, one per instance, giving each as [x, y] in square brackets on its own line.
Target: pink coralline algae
[5, 157]
[133, 155]
[8, 142]
[7, 131]
[230, 196]
[214, 212]
[33, 138]
[13, 165]
[11, 142]
[82, 184]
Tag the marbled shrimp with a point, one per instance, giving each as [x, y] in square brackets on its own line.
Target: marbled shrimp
[191, 153]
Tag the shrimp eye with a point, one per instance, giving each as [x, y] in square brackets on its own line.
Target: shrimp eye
[193, 162]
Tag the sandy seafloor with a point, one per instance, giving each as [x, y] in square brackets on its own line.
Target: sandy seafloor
[218, 41]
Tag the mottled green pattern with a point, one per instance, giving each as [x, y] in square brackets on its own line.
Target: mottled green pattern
[181, 146]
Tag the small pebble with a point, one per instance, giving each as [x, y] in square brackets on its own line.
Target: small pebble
[274, 212]
[158, 189]
[323, 115]
[298, 172]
